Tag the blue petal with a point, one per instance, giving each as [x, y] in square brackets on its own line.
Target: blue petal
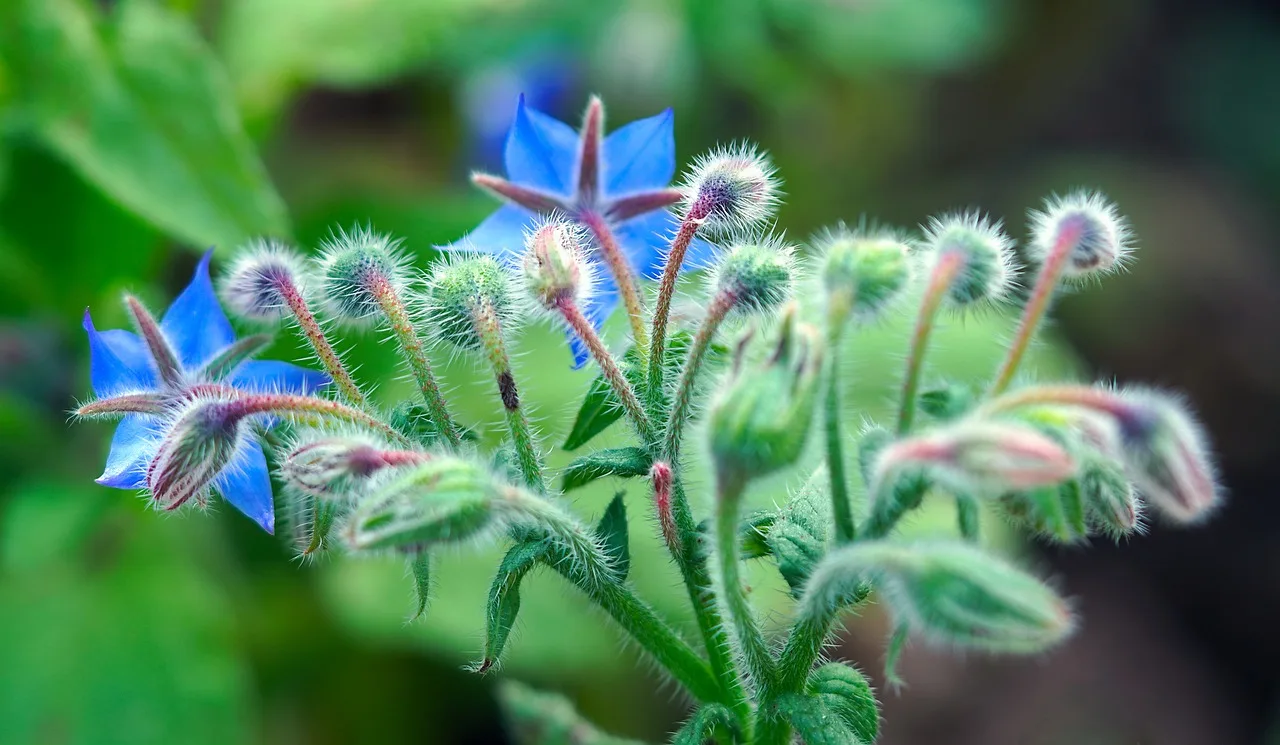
[195, 324]
[645, 240]
[273, 376]
[501, 233]
[597, 311]
[132, 448]
[541, 152]
[118, 361]
[641, 155]
[246, 484]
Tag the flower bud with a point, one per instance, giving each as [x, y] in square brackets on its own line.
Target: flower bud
[1099, 238]
[261, 275]
[445, 500]
[458, 289]
[357, 270]
[863, 272]
[330, 467]
[1111, 501]
[757, 276]
[1056, 513]
[731, 189]
[199, 442]
[984, 251]
[760, 421]
[1165, 455]
[977, 457]
[555, 268]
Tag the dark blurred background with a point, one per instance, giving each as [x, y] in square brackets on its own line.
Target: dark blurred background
[128, 133]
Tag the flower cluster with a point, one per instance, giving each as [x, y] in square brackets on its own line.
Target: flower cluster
[587, 220]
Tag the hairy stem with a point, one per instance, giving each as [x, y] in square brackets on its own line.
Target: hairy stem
[406, 334]
[682, 404]
[608, 367]
[755, 652]
[841, 505]
[666, 292]
[489, 329]
[311, 407]
[623, 276]
[315, 336]
[1037, 304]
[944, 273]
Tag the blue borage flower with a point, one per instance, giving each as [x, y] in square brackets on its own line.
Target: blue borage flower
[621, 182]
[198, 332]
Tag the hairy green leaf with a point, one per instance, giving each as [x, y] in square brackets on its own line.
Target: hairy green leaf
[504, 597]
[536, 718]
[801, 533]
[815, 722]
[754, 533]
[708, 720]
[612, 532]
[622, 462]
[420, 568]
[846, 692]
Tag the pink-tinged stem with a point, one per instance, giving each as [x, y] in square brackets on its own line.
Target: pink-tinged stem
[622, 274]
[608, 367]
[682, 404]
[1038, 303]
[314, 335]
[531, 199]
[945, 271]
[284, 404]
[1081, 396]
[589, 154]
[666, 292]
[166, 360]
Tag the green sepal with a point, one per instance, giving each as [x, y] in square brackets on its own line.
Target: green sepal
[802, 532]
[968, 518]
[536, 718]
[947, 402]
[622, 462]
[1053, 512]
[846, 692]
[753, 534]
[815, 722]
[612, 531]
[229, 359]
[420, 568]
[504, 597]
[413, 420]
[708, 721]
[893, 653]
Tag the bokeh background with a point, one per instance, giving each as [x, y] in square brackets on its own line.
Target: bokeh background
[135, 133]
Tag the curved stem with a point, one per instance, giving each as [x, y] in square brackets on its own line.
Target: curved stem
[308, 406]
[1037, 304]
[945, 272]
[682, 404]
[622, 275]
[489, 329]
[755, 652]
[608, 367]
[841, 505]
[666, 292]
[314, 335]
[415, 353]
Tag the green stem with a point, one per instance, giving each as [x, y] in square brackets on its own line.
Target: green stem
[489, 329]
[622, 275]
[841, 505]
[755, 652]
[608, 367]
[887, 510]
[1037, 304]
[945, 272]
[314, 335]
[666, 292]
[415, 353]
[682, 404]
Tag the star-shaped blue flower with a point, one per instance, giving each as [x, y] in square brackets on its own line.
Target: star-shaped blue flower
[198, 333]
[621, 182]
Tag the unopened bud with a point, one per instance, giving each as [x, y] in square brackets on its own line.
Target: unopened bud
[335, 467]
[1088, 225]
[757, 276]
[357, 270]
[978, 458]
[446, 500]
[863, 272]
[458, 290]
[1111, 500]
[1165, 455]
[554, 266]
[760, 421]
[1056, 513]
[731, 189]
[261, 275]
[195, 447]
[983, 250]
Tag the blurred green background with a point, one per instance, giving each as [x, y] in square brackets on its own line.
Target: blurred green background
[134, 133]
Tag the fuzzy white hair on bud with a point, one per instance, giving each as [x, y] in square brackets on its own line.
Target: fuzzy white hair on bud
[462, 286]
[358, 269]
[987, 270]
[759, 275]
[1165, 453]
[260, 276]
[196, 442]
[1100, 238]
[555, 266]
[731, 189]
[865, 268]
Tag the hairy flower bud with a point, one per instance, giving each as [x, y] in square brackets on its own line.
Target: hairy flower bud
[984, 251]
[357, 269]
[261, 275]
[1096, 236]
[199, 442]
[731, 189]
[1165, 455]
[757, 276]
[335, 466]
[1112, 502]
[555, 266]
[458, 289]
[760, 421]
[445, 500]
[863, 273]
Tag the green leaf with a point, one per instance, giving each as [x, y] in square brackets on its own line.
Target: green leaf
[537, 718]
[846, 692]
[753, 533]
[623, 462]
[708, 720]
[612, 532]
[948, 402]
[504, 597]
[815, 722]
[800, 535]
[420, 568]
[137, 104]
